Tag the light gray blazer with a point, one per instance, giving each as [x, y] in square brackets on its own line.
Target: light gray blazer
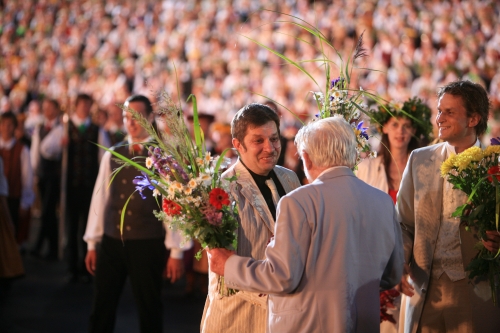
[419, 205]
[336, 243]
[245, 311]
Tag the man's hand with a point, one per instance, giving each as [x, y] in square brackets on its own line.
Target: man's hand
[217, 259]
[405, 286]
[492, 244]
[174, 269]
[90, 261]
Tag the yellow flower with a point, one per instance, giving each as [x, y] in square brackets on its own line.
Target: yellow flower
[149, 162]
[474, 153]
[188, 190]
[448, 165]
[199, 161]
[156, 192]
[490, 150]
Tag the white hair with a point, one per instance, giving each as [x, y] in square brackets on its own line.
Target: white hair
[329, 142]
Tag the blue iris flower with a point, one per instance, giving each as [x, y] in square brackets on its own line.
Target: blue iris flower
[362, 130]
[495, 141]
[143, 182]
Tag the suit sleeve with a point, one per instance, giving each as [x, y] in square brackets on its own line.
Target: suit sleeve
[282, 270]
[405, 208]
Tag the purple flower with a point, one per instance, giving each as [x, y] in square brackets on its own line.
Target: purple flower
[336, 82]
[495, 141]
[143, 182]
[362, 130]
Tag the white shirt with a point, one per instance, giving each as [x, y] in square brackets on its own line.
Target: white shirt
[27, 194]
[54, 139]
[95, 224]
[50, 147]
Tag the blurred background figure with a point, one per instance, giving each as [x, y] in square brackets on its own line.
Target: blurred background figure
[11, 265]
[19, 174]
[403, 128]
[46, 148]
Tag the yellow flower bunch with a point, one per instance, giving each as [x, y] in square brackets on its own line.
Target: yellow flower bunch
[490, 150]
[463, 160]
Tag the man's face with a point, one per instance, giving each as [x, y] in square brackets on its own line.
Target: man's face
[453, 123]
[7, 129]
[82, 109]
[260, 148]
[49, 110]
[134, 129]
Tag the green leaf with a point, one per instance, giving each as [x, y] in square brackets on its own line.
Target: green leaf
[122, 217]
[196, 126]
[129, 161]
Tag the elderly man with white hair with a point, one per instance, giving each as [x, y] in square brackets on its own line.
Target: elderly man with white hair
[337, 244]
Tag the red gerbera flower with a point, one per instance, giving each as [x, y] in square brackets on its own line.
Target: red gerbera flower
[218, 198]
[171, 208]
[494, 170]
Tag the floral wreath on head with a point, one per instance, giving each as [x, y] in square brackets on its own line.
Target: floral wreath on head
[413, 109]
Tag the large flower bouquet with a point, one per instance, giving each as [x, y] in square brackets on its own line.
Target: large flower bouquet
[337, 97]
[476, 172]
[194, 198]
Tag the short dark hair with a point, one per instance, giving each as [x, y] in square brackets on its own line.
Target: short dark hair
[52, 101]
[9, 115]
[475, 100]
[252, 115]
[83, 97]
[144, 100]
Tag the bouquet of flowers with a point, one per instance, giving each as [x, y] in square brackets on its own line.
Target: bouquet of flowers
[195, 199]
[476, 172]
[337, 98]
[387, 299]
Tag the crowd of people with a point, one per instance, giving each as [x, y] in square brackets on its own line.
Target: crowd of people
[85, 58]
[111, 49]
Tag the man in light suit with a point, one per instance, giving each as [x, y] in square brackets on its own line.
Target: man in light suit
[337, 243]
[256, 137]
[440, 297]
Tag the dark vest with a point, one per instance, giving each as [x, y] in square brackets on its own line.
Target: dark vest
[48, 169]
[12, 168]
[139, 221]
[83, 157]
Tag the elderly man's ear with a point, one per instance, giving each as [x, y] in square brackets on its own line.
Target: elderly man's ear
[307, 160]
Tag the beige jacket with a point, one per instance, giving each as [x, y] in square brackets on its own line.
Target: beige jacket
[337, 242]
[419, 205]
[245, 312]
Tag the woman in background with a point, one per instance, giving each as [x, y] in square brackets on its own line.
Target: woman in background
[403, 129]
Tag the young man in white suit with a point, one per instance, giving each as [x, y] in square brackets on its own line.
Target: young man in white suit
[440, 297]
[336, 244]
[256, 137]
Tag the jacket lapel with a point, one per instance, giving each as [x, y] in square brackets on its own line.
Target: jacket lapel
[252, 194]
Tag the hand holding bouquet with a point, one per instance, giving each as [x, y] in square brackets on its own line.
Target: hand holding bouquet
[476, 172]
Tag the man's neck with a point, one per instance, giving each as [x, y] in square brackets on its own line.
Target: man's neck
[463, 144]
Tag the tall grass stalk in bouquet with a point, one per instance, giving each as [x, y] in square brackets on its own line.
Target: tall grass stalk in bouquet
[337, 97]
[185, 179]
[476, 172]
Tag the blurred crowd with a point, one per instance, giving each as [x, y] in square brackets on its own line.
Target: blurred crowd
[111, 49]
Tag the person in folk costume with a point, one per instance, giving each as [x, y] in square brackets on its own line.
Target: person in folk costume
[19, 173]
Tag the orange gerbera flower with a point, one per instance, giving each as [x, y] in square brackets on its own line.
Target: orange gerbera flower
[171, 208]
[218, 198]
